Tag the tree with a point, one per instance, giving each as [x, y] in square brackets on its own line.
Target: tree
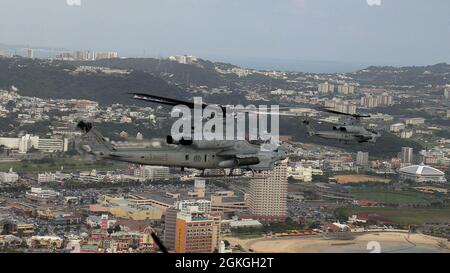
[117, 228]
[341, 214]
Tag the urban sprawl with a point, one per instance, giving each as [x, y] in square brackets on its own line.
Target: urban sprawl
[53, 197]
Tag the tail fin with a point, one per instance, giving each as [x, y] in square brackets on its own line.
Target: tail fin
[92, 141]
[310, 130]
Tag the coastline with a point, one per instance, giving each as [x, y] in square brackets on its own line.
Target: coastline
[388, 242]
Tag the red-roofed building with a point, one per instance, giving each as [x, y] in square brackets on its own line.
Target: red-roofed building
[132, 225]
[367, 203]
[375, 217]
[98, 209]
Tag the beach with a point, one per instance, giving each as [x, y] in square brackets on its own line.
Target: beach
[385, 242]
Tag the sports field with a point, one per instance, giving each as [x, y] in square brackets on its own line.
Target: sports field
[354, 179]
[388, 197]
[406, 216]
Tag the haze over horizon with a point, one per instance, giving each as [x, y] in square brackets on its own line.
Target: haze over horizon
[302, 35]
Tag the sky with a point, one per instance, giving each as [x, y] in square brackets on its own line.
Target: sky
[290, 34]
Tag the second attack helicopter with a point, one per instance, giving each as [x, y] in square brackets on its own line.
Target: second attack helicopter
[353, 132]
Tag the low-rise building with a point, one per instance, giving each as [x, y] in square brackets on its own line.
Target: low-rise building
[406, 134]
[153, 173]
[228, 202]
[301, 173]
[245, 223]
[51, 242]
[9, 177]
[128, 210]
[41, 195]
[397, 127]
[415, 121]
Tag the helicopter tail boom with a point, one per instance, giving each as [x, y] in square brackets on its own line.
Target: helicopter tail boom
[93, 141]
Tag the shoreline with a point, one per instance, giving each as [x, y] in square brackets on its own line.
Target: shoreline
[388, 242]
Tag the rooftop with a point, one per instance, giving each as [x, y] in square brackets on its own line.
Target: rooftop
[421, 170]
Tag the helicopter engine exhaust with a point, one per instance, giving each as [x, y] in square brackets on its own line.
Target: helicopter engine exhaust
[237, 162]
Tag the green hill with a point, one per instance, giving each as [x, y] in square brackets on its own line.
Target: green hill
[50, 79]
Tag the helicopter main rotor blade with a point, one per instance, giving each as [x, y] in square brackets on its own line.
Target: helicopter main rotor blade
[344, 114]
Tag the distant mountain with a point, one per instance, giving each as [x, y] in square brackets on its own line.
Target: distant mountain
[438, 74]
[56, 79]
[201, 73]
[296, 65]
[50, 79]
[176, 72]
[436, 68]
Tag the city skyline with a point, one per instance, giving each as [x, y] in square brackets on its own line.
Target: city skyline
[324, 189]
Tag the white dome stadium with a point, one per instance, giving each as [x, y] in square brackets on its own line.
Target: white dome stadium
[422, 173]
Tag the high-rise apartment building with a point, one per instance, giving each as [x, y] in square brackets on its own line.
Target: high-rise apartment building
[447, 91]
[346, 89]
[362, 158]
[196, 231]
[372, 101]
[30, 53]
[341, 106]
[267, 194]
[326, 88]
[407, 155]
[170, 227]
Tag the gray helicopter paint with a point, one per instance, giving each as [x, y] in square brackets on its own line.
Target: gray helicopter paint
[192, 158]
[346, 133]
[199, 155]
[342, 136]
